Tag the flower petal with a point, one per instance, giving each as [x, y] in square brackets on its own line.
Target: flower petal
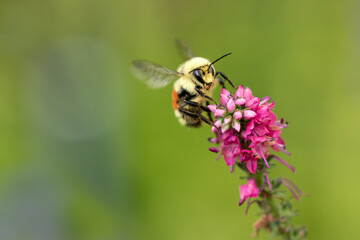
[253, 103]
[219, 112]
[212, 108]
[224, 99]
[239, 92]
[248, 94]
[225, 91]
[230, 105]
[249, 114]
[248, 190]
[251, 165]
[213, 129]
[238, 115]
[227, 120]
[260, 130]
[240, 101]
[236, 125]
[215, 150]
[224, 128]
[218, 123]
[264, 100]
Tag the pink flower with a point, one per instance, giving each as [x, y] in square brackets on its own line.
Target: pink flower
[248, 190]
[249, 129]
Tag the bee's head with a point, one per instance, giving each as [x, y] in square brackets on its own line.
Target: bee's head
[201, 71]
[203, 76]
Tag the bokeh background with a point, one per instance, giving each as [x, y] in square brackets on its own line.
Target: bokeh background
[88, 152]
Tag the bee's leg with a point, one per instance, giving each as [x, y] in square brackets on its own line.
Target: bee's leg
[195, 104]
[225, 77]
[221, 81]
[203, 95]
[204, 108]
[209, 113]
[190, 97]
[204, 119]
[190, 114]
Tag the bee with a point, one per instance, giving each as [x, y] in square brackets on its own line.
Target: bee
[196, 80]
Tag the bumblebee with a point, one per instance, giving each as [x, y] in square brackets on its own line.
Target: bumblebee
[196, 80]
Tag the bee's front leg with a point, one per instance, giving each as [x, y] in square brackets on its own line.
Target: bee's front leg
[221, 81]
[225, 77]
[204, 95]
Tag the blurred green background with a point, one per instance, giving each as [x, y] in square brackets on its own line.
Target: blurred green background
[88, 152]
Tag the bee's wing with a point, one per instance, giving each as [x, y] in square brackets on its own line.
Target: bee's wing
[154, 75]
[184, 50]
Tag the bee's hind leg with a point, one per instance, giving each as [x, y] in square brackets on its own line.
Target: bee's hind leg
[209, 112]
[195, 104]
[204, 119]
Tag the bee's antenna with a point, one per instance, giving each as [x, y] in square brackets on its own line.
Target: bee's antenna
[218, 59]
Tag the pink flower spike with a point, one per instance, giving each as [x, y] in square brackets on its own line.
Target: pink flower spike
[224, 99]
[267, 179]
[240, 101]
[212, 108]
[239, 92]
[249, 114]
[225, 91]
[248, 190]
[236, 125]
[219, 112]
[230, 105]
[285, 163]
[238, 115]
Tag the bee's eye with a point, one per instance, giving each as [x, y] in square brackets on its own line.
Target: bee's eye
[198, 76]
[212, 71]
